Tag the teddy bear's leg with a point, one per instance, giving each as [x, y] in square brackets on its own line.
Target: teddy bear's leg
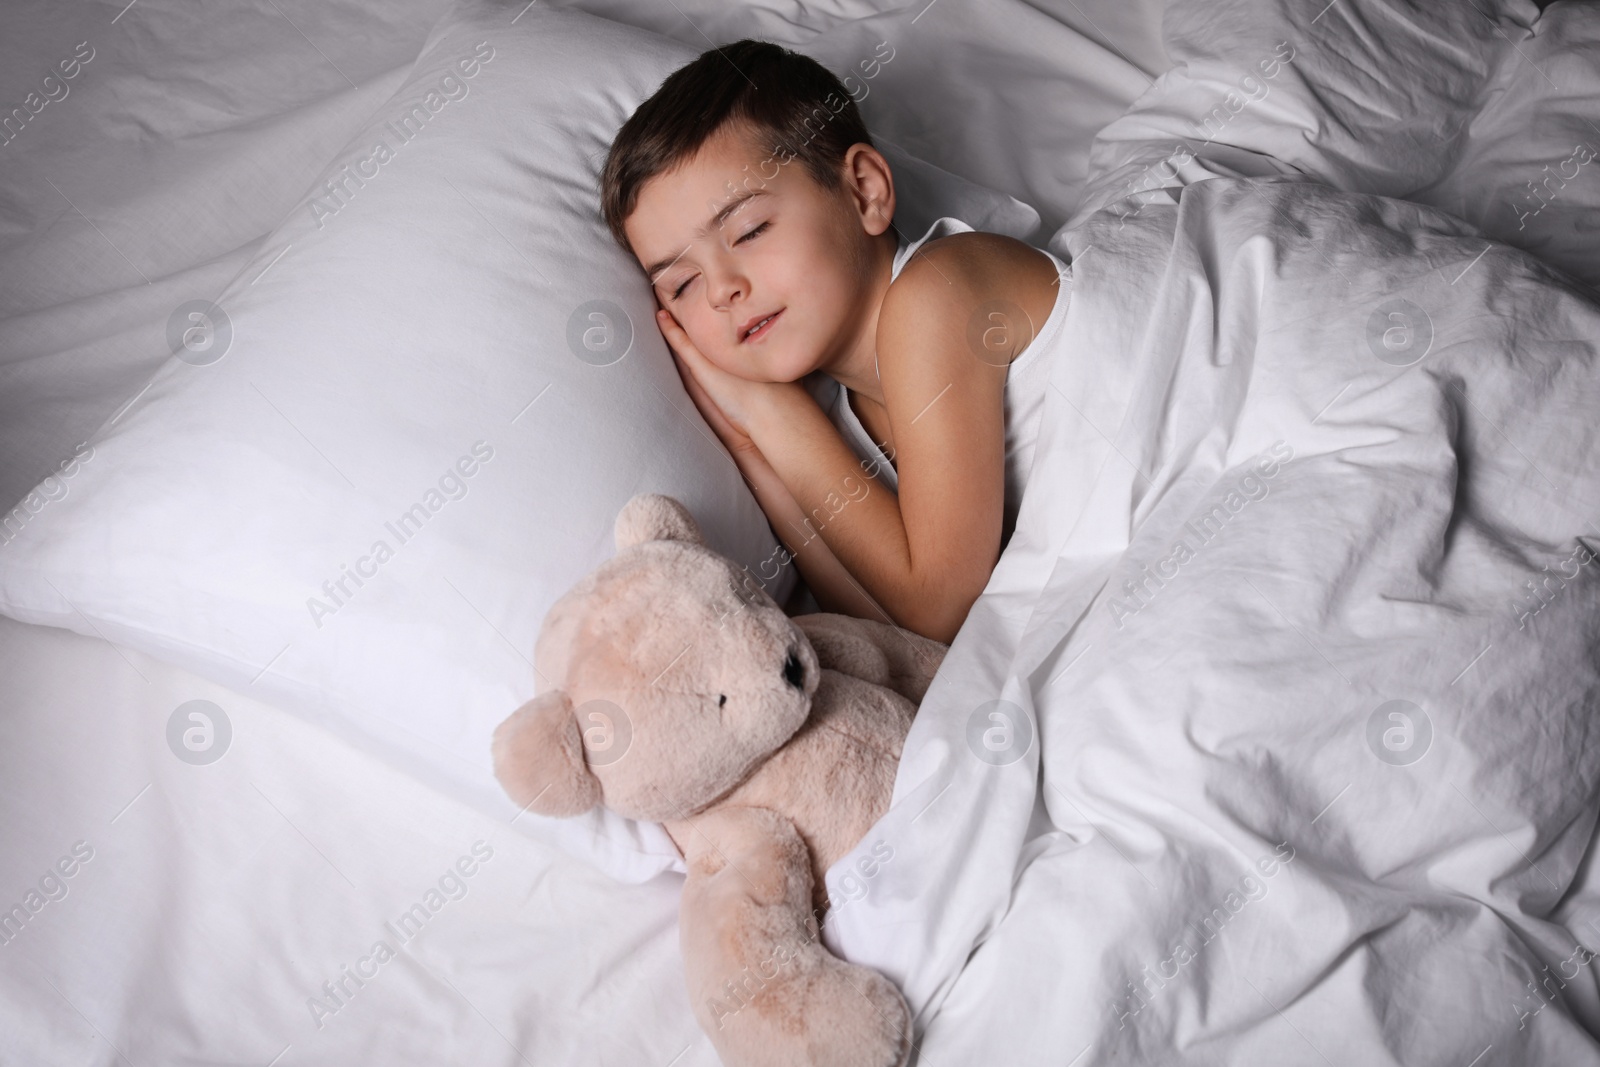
[874, 651]
[763, 986]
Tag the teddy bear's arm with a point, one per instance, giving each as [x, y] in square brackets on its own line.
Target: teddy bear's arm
[874, 651]
[762, 985]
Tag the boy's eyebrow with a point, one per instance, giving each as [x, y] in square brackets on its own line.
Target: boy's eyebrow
[715, 221]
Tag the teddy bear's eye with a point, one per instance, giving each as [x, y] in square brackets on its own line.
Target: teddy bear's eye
[722, 698]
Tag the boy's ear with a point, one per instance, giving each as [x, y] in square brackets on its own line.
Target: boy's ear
[654, 517]
[539, 758]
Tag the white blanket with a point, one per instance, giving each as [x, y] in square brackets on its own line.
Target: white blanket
[1317, 762]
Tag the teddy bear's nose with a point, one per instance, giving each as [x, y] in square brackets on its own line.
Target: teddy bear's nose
[793, 671]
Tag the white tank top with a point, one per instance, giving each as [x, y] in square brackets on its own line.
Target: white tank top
[1027, 378]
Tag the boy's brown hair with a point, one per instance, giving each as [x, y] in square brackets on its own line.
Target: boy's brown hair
[787, 98]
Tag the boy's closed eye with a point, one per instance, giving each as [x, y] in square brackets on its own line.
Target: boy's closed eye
[678, 292]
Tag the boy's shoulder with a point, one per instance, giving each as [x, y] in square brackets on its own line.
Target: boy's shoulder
[949, 279]
[971, 253]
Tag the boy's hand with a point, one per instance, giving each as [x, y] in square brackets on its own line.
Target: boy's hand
[726, 400]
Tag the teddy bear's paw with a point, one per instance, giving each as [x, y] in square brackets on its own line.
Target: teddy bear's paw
[861, 1021]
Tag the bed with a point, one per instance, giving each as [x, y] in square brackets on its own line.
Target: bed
[1320, 786]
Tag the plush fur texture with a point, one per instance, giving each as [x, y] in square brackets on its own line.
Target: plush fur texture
[679, 691]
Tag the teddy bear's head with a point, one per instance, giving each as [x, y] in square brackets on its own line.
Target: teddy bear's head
[664, 678]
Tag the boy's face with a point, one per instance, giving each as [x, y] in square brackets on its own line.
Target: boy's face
[724, 259]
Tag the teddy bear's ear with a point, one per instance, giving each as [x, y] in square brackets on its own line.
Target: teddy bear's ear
[654, 517]
[539, 760]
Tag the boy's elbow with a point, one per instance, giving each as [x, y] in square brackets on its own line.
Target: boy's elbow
[938, 610]
[943, 633]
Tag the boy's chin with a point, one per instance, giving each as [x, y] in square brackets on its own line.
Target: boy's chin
[791, 371]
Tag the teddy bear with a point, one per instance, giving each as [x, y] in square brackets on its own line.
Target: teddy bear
[672, 688]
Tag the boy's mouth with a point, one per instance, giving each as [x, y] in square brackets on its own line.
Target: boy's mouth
[759, 327]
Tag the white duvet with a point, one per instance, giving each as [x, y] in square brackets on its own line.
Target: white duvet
[1295, 649]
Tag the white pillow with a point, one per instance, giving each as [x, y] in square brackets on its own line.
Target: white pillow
[358, 488]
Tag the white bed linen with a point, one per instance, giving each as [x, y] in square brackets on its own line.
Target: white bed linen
[224, 907]
[1423, 900]
[153, 181]
[219, 898]
[1210, 726]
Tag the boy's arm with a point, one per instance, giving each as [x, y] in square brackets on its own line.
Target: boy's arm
[830, 583]
[832, 586]
[927, 552]
[830, 499]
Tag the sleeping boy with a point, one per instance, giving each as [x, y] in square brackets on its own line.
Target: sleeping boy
[748, 189]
